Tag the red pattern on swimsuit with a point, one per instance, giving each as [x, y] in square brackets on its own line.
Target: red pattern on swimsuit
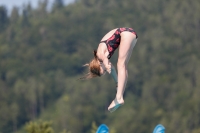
[114, 41]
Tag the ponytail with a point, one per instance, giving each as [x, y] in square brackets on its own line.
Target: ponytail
[94, 68]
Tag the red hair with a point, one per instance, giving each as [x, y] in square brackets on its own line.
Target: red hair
[94, 68]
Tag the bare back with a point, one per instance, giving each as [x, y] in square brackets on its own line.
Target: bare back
[111, 41]
[102, 51]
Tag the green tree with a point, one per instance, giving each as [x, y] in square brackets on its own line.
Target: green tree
[40, 127]
[14, 15]
[57, 5]
[3, 18]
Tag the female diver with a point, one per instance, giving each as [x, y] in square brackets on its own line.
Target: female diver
[125, 39]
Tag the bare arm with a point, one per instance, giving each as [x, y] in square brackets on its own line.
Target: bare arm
[111, 69]
[107, 64]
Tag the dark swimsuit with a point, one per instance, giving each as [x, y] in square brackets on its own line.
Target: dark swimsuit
[113, 42]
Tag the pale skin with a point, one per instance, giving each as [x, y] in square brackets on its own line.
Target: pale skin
[127, 43]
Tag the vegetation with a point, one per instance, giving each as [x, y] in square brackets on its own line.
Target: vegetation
[42, 53]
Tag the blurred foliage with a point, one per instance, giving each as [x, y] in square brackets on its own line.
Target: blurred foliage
[42, 53]
[40, 127]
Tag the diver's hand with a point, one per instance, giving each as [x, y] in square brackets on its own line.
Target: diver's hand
[108, 68]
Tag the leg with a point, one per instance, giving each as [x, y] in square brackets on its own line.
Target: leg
[131, 49]
[123, 59]
[125, 50]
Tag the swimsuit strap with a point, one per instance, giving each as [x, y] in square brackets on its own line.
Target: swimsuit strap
[103, 41]
[109, 56]
[118, 29]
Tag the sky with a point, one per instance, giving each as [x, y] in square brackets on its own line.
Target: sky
[19, 3]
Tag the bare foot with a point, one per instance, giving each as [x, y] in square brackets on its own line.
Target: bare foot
[115, 104]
